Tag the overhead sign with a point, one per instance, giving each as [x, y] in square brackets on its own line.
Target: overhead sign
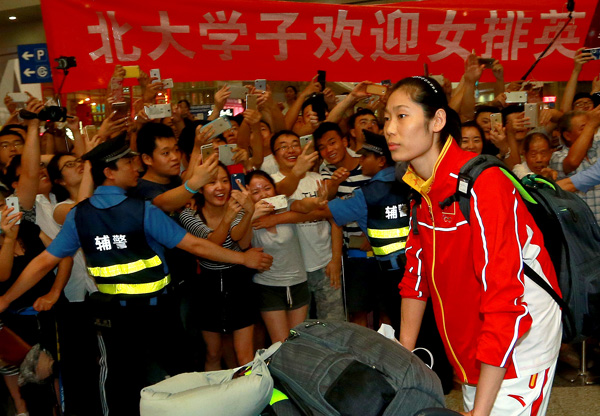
[192, 40]
[34, 63]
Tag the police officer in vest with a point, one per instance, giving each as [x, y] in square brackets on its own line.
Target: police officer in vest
[123, 240]
[381, 209]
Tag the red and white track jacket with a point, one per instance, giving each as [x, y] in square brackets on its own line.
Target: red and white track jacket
[485, 308]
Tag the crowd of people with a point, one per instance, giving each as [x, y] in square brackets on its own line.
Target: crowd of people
[135, 253]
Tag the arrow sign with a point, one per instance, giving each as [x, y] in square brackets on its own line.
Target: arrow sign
[33, 63]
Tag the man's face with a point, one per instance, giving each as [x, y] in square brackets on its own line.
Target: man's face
[583, 104]
[10, 146]
[369, 163]
[577, 125]
[231, 134]
[184, 110]
[539, 154]
[332, 148]
[364, 122]
[44, 184]
[166, 157]
[287, 150]
[126, 174]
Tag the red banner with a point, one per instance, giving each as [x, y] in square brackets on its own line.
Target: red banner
[194, 40]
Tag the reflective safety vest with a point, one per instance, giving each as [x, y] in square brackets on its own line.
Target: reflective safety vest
[115, 247]
[388, 217]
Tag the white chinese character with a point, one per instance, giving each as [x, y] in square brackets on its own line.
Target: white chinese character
[102, 30]
[118, 32]
[228, 38]
[450, 46]
[167, 31]
[568, 36]
[326, 36]
[282, 36]
[120, 241]
[391, 213]
[405, 40]
[504, 45]
[103, 243]
[403, 210]
[496, 32]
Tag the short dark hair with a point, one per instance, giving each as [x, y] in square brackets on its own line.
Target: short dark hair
[473, 123]
[15, 127]
[278, 135]
[360, 112]
[531, 136]
[11, 171]
[97, 170]
[485, 109]
[184, 101]
[260, 173]
[147, 135]
[7, 132]
[292, 87]
[188, 136]
[511, 109]
[324, 128]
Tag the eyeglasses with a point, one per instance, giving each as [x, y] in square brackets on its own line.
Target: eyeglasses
[285, 147]
[16, 145]
[583, 104]
[71, 164]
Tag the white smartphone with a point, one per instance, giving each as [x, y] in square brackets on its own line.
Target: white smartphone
[278, 201]
[220, 125]
[516, 97]
[305, 139]
[226, 154]
[167, 83]
[91, 131]
[13, 202]
[18, 97]
[532, 111]
[158, 111]
[155, 73]
[238, 92]
[260, 84]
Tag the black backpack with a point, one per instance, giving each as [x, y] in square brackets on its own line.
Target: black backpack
[338, 368]
[571, 236]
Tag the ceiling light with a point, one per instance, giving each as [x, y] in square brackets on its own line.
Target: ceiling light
[12, 17]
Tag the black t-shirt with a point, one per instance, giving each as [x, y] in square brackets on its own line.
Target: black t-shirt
[149, 190]
[29, 236]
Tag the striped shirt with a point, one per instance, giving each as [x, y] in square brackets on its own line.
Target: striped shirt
[195, 225]
[345, 191]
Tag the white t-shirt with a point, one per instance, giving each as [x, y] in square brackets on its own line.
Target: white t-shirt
[287, 268]
[314, 236]
[44, 210]
[270, 165]
[80, 281]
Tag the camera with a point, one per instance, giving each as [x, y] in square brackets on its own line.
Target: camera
[66, 62]
[50, 113]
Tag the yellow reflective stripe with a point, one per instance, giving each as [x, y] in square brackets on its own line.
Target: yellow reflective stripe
[127, 268]
[390, 248]
[277, 397]
[390, 233]
[135, 288]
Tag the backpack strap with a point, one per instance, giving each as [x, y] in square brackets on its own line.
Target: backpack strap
[569, 328]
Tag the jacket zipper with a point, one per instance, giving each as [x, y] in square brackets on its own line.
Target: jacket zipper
[430, 209]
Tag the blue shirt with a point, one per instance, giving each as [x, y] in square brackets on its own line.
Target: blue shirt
[355, 208]
[587, 178]
[160, 230]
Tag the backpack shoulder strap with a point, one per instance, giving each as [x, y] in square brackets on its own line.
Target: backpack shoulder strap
[469, 172]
